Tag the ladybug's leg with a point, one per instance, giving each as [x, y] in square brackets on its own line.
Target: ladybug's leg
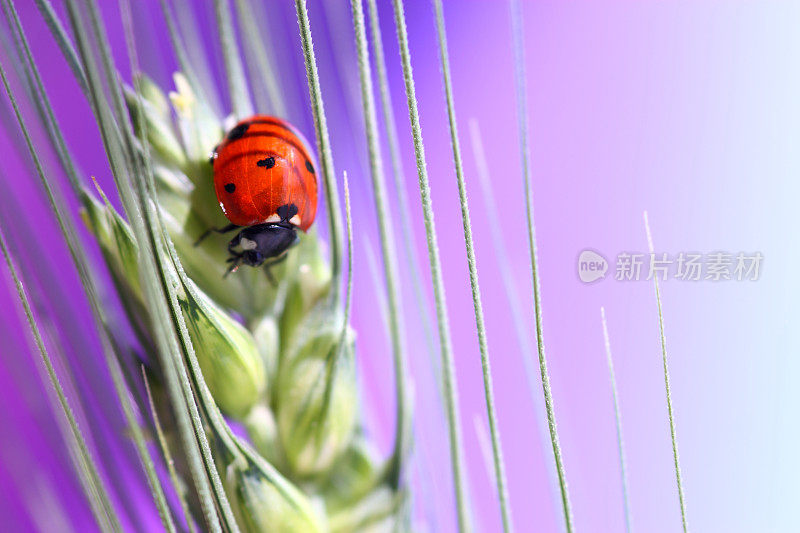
[236, 258]
[272, 262]
[225, 229]
[235, 261]
[233, 243]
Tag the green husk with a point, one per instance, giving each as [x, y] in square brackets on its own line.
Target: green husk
[229, 358]
[227, 352]
[316, 400]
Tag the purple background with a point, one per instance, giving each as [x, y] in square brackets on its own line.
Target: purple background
[686, 109]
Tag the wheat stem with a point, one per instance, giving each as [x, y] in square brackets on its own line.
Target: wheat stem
[670, 412]
[618, 419]
[497, 451]
[348, 302]
[522, 116]
[41, 102]
[449, 384]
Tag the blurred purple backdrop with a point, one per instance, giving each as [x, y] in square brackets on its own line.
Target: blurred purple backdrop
[687, 109]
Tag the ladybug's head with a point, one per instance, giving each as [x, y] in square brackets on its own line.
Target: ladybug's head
[264, 241]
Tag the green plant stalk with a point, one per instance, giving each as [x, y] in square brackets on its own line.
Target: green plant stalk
[78, 254]
[259, 59]
[96, 492]
[337, 22]
[448, 367]
[522, 114]
[670, 412]
[497, 451]
[618, 419]
[155, 285]
[515, 307]
[348, 302]
[411, 257]
[234, 71]
[190, 32]
[162, 443]
[39, 97]
[324, 145]
[388, 250]
[233, 446]
[181, 53]
[390, 128]
[147, 193]
[62, 39]
[81, 263]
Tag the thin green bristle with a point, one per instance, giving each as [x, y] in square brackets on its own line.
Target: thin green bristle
[494, 431]
[618, 419]
[448, 367]
[388, 251]
[672, 431]
[522, 116]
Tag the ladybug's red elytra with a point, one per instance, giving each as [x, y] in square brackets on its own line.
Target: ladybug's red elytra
[265, 182]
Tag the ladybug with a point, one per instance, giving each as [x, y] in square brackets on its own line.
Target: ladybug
[266, 185]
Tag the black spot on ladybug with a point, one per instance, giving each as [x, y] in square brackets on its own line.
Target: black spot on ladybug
[309, 167]
[230, 187]
[286, 212]
[238, 131]
[268, 162]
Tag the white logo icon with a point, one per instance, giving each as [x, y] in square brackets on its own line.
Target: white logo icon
[591, 266]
